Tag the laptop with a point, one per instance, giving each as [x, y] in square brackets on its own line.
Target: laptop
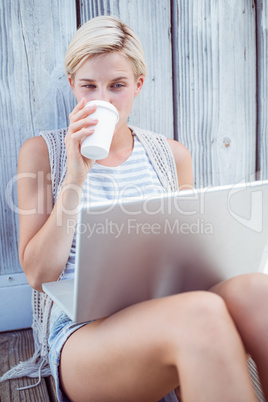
[132, 250]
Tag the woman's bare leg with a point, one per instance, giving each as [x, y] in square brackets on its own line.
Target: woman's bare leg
[246, 297]
[143, 352]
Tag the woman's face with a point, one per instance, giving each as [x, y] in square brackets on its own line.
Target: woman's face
[110, 78]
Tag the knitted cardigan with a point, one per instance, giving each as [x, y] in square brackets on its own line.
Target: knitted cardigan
[162, 159]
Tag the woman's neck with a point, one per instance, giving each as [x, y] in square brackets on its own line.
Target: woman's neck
[121, 148]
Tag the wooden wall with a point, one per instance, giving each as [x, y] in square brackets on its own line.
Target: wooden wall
[34, 95]
[215, 65]
[206, 86]
[262, 88]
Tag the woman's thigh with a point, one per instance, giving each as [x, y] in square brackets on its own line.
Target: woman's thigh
[130, 355]
[246, 297]
[117, 358]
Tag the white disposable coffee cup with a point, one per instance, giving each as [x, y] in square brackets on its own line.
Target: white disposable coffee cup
[97, 145]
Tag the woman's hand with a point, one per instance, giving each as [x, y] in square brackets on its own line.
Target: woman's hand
[81, 126]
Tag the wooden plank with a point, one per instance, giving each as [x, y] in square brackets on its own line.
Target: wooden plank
[51, 389]
[15, 307]
[15, 347]
[13, 280]
[153, 109]
[34, 94]
[262, 43]
[215, 69]
[15, 302]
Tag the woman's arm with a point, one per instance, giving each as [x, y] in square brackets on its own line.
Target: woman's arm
[46, 231]
[45, 235]
[183, 162]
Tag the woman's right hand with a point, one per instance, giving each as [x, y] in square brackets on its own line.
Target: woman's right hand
[81, 126]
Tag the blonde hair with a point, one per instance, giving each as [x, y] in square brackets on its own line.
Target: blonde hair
[102, 35]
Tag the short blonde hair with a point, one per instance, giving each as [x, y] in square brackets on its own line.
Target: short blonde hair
[102, 35]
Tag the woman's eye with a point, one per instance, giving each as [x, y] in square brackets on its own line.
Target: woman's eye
[89, 86]
[118, 86]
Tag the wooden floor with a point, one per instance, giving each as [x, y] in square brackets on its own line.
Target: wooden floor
[18, 346]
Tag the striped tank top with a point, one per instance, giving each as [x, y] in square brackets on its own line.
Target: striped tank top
[133, 178]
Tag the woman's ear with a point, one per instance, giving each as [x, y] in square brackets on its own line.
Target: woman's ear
[71, 81]
[139, 84]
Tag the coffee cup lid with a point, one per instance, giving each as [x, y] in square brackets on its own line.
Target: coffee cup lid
[105, 104]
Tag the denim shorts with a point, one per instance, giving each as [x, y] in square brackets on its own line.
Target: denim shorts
[61, 327]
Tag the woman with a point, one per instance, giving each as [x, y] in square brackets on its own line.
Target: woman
[195, 340]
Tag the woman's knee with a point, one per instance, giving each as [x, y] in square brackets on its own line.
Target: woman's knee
[208, 331]
[207, 316]
[208, 305]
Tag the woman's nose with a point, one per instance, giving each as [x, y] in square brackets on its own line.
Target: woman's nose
[103, 95]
